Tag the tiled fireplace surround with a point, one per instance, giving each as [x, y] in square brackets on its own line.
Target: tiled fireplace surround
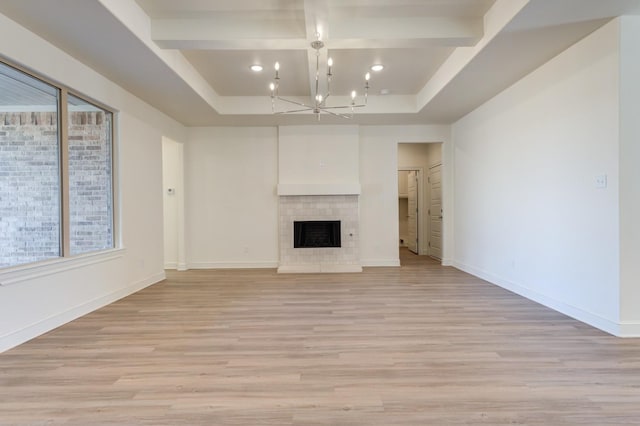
[323, 259]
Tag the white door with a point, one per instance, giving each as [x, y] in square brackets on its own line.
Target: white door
[412, 198]
[435, 212]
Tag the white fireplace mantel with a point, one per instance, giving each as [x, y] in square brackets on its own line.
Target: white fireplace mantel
[285, 189]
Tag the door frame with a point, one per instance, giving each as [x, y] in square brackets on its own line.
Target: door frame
[421, 206]
[431, 167]
[177, 191]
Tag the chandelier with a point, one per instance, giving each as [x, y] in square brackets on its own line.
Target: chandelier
[319, 101]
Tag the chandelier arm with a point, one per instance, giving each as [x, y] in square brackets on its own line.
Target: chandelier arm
[292, 110]
[348, 117]
[342, 107]
[295, 102]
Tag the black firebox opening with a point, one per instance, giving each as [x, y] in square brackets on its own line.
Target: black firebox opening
[316, 233]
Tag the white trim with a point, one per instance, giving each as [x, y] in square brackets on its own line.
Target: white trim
[116, 190]
[629, 329]
[319, 189]
[171, 265]
[579, 314]
[429, 189]
[232, 265]
[28, 108]
[25, 334]
[446, 262]
[181, 238]
[380, 262]
[30, 271]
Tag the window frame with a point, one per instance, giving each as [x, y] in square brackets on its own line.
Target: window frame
[24, 271]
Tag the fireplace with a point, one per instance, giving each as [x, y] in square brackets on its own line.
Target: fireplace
[319, 233]
[316, 233]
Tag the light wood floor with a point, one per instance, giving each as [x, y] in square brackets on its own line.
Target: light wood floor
[416, 345]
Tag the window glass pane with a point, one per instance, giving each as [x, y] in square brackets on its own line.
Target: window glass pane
[90, 182]
[29, 169]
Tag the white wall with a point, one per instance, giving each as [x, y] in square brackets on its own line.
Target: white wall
[231, 175]
[231, 203]
[318, 154]
[630, 175]
[40, 297]
[528, 215]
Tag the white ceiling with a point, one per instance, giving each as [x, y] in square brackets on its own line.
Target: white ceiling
[191, 58]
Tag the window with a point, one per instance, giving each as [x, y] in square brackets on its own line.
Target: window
[29, 169]
[90, 195]
[56, 192]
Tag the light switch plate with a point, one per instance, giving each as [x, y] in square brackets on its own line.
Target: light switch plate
[601, 181]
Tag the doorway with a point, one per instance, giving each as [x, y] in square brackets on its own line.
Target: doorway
[409, 209]
[173, 204]
[410, 205]
[420, 198]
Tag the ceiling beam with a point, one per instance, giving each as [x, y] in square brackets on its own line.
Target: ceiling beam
[220, 32]
[224, 32]
[497, 18]
[397, 32]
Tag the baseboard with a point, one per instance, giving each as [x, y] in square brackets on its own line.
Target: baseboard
[19, 337]
[629, 329]
[273, 265]
[380, 262]
[176, 266]
[594, 320]
[318, 269]
[233, 265]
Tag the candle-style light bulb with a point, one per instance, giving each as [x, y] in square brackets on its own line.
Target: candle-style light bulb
[367, 76]
[277, 66]
[272, 87]
[329, 65]
[353, 95]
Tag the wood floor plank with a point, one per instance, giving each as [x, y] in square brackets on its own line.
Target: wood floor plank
[417, 345]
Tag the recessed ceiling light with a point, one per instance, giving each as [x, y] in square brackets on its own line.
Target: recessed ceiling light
[256, 68]
[384, 91]
[377, 67]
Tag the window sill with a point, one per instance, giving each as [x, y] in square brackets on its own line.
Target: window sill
[31, 271]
